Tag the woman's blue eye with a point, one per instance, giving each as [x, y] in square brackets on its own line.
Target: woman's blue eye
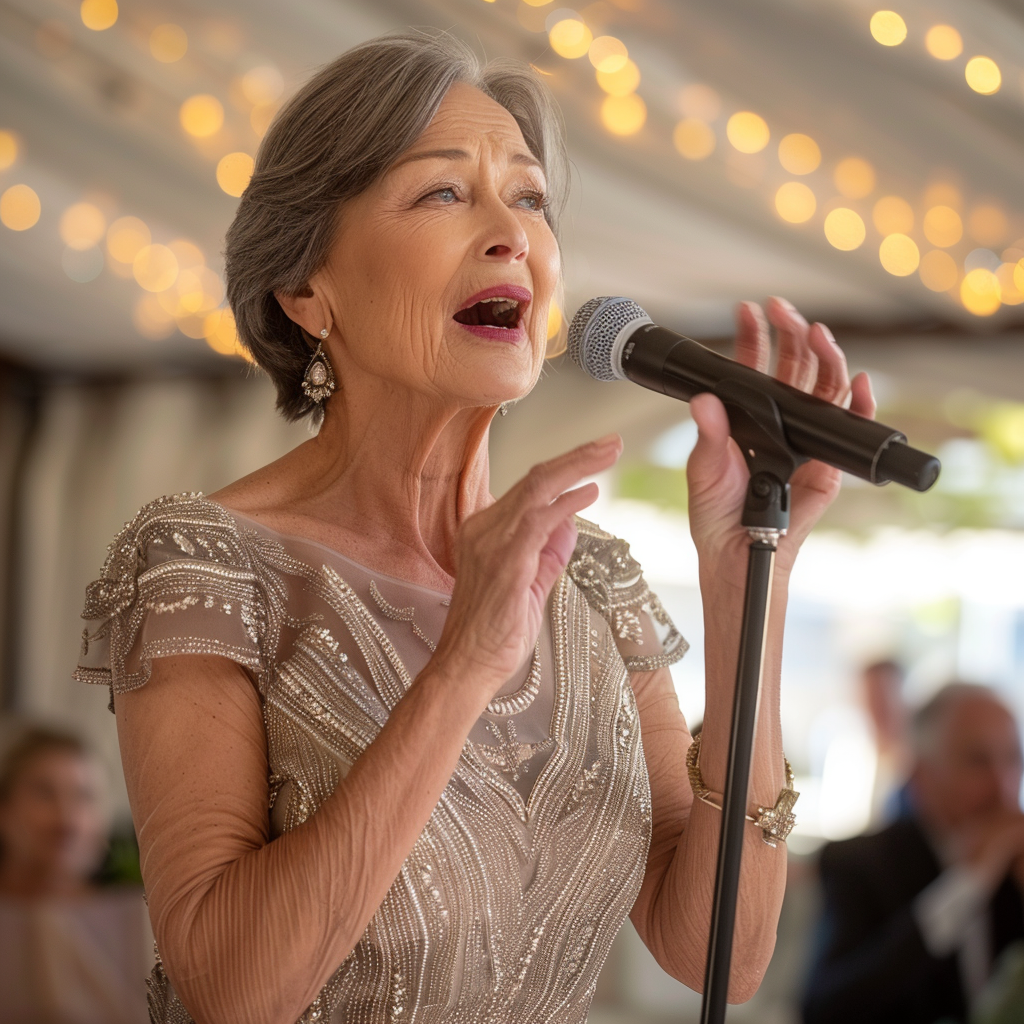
[532, 201]
[446, 195]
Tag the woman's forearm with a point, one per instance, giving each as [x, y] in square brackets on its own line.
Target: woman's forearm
[683, 909]
[256, 937]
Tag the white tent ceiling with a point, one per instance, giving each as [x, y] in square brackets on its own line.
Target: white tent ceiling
[97, 118]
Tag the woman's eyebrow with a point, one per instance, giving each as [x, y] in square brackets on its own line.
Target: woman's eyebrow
[461, 154]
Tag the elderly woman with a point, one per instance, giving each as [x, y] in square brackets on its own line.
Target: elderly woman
[382, 732]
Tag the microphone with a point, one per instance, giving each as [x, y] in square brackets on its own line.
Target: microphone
[612, 338]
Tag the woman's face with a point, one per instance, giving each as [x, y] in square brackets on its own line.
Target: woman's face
[53, 819]
[442, 273]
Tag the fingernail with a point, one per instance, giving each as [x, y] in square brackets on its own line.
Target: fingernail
[606, 441]
[828, 334]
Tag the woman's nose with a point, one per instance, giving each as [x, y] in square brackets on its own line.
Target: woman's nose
[504, 238]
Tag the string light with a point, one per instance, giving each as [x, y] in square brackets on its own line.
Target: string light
[983, 75]
[943, 42]
[607, 54]
[938, 271]
[694, 139]
[845, 229]
[234, 172]
[799, 154]
[943, 227]
[795, 202]
[8, 149]
[1009, 293]
[892, 215]
[155, 268]
[151, 320]
[263, 84]
[899, 254]
[700, 101]
[202, 115]
[980, 292]
[98, 14]
[747, 131]
[82, 226]
[854, 177]
[888, 28]
[623, 115]
[19, 208]
[168, 43]
[570, 38]
[621, 82]
[126, 238]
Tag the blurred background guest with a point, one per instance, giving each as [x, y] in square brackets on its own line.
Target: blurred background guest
[915, 916]
[70, 952]
[881, 685]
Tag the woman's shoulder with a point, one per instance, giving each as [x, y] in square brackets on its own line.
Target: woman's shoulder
[602, 564]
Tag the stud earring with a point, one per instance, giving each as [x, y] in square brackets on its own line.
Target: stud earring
[318, 382]
[503, 408]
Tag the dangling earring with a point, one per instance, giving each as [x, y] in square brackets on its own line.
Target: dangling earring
[503, 408]
[318, 382]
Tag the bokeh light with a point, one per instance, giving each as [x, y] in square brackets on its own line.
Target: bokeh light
[799, 154]
[983, 75]
[943, 193]
[980, 292]
[700, 101]
[19, 208]
[844, 229]
[1018, 275]
[747, 131]
[899, 254]
[202, 115]
[187, 253]
[854, 177]
[892, 215]
[8, 149]
[168, 43]
[262, 84]
[531, 3]
[260, 117]
[126, 238]
[623, 115]
[621, 82]
[234, 172]
[888, 28]
[608, 54]
[554, 320]
[221, 335]
[938, 271]
[82, 226]
[942, 226]
[1009, 293]
[80, 265]
[988, 225]
[694, 139]
[795, 202]
[155, 268]
[943, 42]
[151, 320]
[98, 14]
[570, 38]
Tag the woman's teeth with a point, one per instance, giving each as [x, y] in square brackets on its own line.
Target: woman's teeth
[498, 311]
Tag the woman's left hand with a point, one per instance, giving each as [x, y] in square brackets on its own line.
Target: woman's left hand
[809, 359]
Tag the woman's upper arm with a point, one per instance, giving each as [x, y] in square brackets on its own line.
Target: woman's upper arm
[194, 750]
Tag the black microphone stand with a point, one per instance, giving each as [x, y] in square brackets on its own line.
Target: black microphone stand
[756, 426]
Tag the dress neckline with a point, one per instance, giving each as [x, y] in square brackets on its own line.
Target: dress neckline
[372, 573]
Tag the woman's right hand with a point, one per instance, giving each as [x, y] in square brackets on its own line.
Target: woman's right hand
[507, 558]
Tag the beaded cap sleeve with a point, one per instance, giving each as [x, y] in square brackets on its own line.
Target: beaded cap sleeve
[614, 585]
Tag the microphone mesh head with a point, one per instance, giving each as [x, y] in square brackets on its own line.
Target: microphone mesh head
[594, 331]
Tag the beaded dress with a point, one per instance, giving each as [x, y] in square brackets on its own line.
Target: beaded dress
[506, 907]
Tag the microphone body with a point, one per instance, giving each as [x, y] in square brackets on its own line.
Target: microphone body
[612, 338]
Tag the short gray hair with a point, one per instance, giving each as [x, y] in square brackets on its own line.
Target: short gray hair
[336, 137]
[930, 719]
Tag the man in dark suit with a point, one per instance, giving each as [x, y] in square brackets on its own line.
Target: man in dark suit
[915, 916]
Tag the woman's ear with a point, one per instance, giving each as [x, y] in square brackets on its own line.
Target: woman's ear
[306, 308]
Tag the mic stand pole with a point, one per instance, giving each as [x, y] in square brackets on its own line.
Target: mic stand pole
[756, 426]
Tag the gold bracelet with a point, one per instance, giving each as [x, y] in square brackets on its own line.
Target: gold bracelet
[775, 822]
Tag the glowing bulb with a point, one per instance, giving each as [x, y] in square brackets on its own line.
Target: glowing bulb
[844, 229]
[943, 42]
[623, 115]
[854, 177]
[8, 149]
[19, 208]
[799, 154]
[570, 38]
[168, 43]
[262, 85]
[554, 320]
[888, 28]
[795, 202]
[621, 82]
[899, 254]
[1018, 275]
[98, 14]
[943, 227]
[747, 131]
[938, 271]
[82, 226]
[892, 215]
[187, 253]
[201, 115]
[222, 336]
[608, 54]
[980, 292]
[694, 139]
[126, 237]
[1010, 294]
[234, 172]
[983, 75]
[155, 268]
[700, 101]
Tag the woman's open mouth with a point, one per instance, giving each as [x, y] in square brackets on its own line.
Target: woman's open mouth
[496, 313]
